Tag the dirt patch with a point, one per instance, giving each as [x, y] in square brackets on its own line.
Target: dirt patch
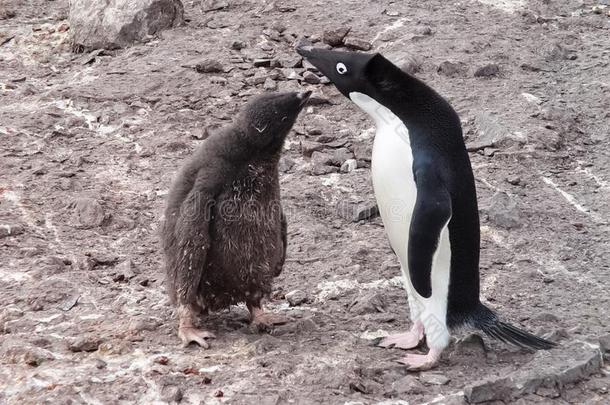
[90, 142]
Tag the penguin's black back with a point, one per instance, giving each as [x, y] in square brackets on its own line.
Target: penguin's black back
[435, 134]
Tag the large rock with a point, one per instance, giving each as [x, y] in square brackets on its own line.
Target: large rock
[115, 24]
[548, 370]
[504, 212]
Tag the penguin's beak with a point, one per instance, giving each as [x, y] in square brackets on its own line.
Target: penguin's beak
[304, 97]
[322, 59]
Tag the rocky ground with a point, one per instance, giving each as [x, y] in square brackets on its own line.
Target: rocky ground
[89, 143]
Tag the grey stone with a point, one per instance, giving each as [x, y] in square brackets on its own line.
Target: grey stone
[487, 71]
[238, 45]
[366, 211]
[85, 343]
[308, 148]
[368, 303]
[503, 211]
[423, 30]
[357, 43]
[116, 24]
[322, 158]
[171, 393]
[286, 164]
[270, 84]
[513, 179]
[335, 37]
[89, 213]
[604, 346]
[349, 166]
[549, 369]
[11, 230]
[452, 69]
[296, 297]
[491, 133]
[311, 77]
[408, 385]
[340, 155]
[429, 378]
[209, 66]
[214, 5]
[262, 62]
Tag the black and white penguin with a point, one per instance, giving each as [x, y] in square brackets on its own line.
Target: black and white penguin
[224, 233]
[425, 191]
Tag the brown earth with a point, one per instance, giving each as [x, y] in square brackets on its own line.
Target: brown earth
[90, 142]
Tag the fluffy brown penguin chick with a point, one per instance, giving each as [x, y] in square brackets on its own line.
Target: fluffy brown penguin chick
[224, 234]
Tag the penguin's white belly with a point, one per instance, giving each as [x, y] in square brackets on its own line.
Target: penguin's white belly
[396, 194]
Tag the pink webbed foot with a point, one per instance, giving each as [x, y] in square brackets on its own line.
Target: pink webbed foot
[407, 340]
[265, 320]
[187, 332]
[417, 362]
[192, 334]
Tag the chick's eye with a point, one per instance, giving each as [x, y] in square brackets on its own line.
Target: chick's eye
[341, 68]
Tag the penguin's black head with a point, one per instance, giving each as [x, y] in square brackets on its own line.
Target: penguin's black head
[349, 71]
[267, 119]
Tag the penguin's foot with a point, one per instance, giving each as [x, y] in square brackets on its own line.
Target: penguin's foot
[417, 362]
[190, 334]
[407, 340]
[262, 320]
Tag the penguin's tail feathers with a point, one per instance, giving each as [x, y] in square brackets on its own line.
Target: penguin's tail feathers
[487, 321]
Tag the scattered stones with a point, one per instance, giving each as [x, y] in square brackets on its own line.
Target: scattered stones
[513, 179]
[357, 43]
[322, 163]
[548, 370]
[487, 71]
[433, 378]
[423, 30]
[296, 297]
[214, 5]
[503, 211]
[209, 66]
[490, 133]
[335, 37]
[340, 155]
[286, 164]
[604, 346]
[120, 23]
[262, 62]
[407, 385]
[349, 166]
[369, 302]
[366, 211]
[306, 325]
[269, 84]
[88, 212]
[11, 230]
[86, 343]
[238, 45]
[311, 78]
[452, 69]
[6, 13]
[171, 393]
[411, 65]
[557, 52]
[308, 148]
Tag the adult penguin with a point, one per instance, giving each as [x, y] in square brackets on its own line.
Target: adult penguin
[425, 191]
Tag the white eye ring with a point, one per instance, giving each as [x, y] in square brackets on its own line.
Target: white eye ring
[341, 68]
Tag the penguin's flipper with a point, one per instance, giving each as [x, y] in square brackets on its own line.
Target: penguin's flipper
[192, 244]
[431, 213]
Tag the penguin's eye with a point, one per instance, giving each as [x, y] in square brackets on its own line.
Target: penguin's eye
[341, 68]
